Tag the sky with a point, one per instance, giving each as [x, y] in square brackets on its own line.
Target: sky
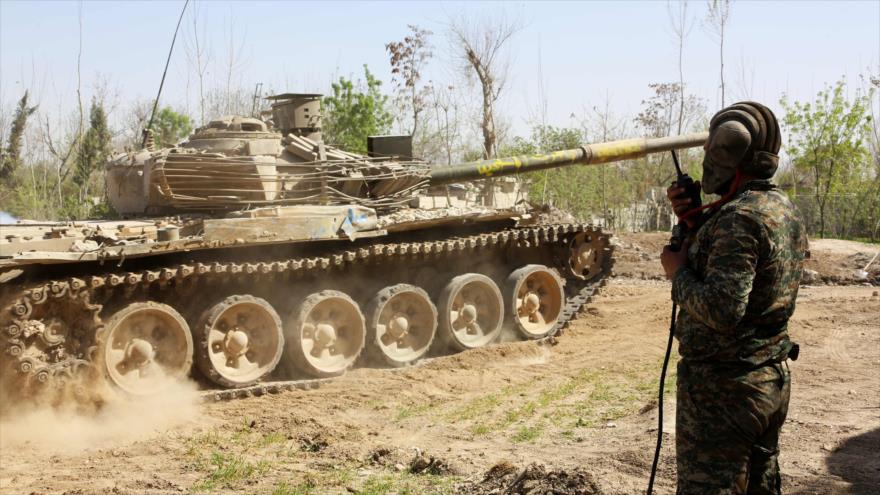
[574, 55]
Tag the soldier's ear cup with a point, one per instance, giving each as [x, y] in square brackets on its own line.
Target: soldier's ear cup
[762, 160]
[774, 136]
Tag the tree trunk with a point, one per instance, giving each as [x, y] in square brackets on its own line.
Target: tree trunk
[722, 63]
[488, 123]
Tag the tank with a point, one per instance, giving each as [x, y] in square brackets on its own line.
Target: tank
[254, 256]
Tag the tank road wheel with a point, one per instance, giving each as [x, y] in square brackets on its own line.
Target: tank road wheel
[239, 341]
[585, 255]
[471, 312]
[325, 334]
[145, 345]
[534, 297]
[401, 323]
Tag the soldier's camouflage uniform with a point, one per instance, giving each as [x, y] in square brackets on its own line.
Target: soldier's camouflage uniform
[736, 296]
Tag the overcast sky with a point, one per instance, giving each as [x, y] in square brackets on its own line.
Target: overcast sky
[579, 51]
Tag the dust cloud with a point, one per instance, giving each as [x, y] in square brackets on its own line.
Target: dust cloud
[70, 426]
[540, 356]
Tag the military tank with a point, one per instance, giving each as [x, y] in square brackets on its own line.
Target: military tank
[256, 256]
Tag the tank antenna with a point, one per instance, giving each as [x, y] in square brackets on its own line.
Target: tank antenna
[162, 82]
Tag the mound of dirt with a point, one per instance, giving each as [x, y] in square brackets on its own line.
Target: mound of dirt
[836, 262]
[831, 261]
[504, 478]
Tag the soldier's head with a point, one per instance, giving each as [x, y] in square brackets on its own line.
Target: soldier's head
[745, 137]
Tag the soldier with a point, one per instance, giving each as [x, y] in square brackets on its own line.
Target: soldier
[736, 281]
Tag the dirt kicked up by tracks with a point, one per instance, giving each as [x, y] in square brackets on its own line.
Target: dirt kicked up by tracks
[521, 417]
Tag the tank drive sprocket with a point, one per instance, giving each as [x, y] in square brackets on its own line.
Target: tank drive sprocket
[49, 333]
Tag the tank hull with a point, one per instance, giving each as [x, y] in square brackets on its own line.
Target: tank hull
[56, 317]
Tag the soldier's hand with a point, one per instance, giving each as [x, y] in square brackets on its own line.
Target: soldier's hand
[680, 203]
[672, 261]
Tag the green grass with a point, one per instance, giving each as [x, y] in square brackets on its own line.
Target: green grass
[412, 410]
[477, 407]
[527, 434]
[588, 399]
[407, 484]
[240, 455]
[271, 438]
[229, 469]
[303, 488]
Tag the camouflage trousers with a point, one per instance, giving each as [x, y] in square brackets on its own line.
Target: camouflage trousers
[727, 428]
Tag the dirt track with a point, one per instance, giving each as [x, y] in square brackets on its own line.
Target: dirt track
[586, 403]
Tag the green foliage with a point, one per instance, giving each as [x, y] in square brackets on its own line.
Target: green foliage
[832, 162]
[94, 149]
[574, 189]
[170, 127]
[10, 158]
[354, 111]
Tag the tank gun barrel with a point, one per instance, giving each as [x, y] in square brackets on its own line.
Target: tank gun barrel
[590, 154]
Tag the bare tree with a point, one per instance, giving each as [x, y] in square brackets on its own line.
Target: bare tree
[197, 55]
[480, 46]
[681, 27]
[445, 130]
[717, 17]
[408, 58]
[607, 127]
[236, 100]
[745, 80]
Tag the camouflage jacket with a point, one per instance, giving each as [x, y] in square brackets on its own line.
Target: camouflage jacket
[739, 287]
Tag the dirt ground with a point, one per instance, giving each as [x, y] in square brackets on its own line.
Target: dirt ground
[831, 261]
[575, 417]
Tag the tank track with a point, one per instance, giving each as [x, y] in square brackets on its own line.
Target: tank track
[40, 355]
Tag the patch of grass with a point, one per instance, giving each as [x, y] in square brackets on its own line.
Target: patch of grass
[601, 393]
[413, 410]
[272, 438]
[197, 444]
[475, 408]
[407, 484]
[376, 485]
[481, 429]
[341, 476]
[303, 488]
[546, 398]
[229, 469]
[527, 434]
[518, 414]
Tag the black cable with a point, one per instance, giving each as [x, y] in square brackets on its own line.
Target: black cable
[660, 401]
[162, 82]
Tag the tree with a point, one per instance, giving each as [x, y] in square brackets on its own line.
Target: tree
[198, 56]
[574, 189]
[10, 159]
[94, 149]
[829, 142]
[717, 16]
[480, 46]
[355, 111]
[445, 106]
[681, 28]
[170, 127]
[408, 57]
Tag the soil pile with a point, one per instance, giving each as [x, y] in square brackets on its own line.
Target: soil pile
[504, 478]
